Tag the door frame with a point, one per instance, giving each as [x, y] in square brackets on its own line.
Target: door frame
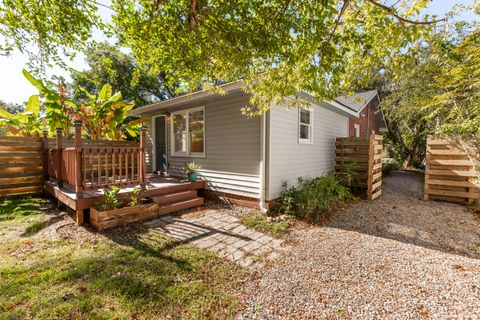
[154, 134]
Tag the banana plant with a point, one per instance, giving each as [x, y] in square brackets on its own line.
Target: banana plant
[59, 109]
[28, 123]
[105, 115]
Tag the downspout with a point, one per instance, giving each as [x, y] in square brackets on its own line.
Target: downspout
[263, 162]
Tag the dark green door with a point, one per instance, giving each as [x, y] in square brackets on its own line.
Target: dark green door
[160, 145]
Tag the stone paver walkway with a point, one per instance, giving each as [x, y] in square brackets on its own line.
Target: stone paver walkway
[223, 235]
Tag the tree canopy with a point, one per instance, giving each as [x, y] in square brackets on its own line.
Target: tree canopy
[108, 64]
[277, 47]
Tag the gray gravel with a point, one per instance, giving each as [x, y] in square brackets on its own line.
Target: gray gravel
[398, 257]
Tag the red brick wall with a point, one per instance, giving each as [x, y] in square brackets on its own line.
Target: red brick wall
[366, 116]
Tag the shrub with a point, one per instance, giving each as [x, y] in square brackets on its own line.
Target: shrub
[387, 168]
[314, 197]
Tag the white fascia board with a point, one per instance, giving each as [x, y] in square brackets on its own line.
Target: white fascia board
[194, 96]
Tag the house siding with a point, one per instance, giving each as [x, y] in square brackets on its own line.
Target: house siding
[232, 148]
[290, 159]
[367, 122]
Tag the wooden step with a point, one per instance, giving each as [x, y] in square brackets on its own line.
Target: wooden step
[174, 197]
[178, 187]
[180, 205]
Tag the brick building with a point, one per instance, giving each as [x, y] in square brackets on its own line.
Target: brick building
[371, 117]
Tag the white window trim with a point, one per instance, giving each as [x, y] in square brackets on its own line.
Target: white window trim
[310, 128]
[172, 136]
[356, 128]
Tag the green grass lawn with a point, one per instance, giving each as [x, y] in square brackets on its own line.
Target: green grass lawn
[133, 273]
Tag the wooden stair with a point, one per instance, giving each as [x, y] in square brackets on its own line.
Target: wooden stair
[182, 198]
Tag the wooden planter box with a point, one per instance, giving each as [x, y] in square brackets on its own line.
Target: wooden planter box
[102, 220]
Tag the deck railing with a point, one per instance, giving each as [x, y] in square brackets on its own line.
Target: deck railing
[89, 165]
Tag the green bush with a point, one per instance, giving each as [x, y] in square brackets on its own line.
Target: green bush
[313, 198]
[387, 168]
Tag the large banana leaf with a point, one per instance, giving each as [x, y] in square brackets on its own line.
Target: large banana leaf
[33, 104]
[105, 93]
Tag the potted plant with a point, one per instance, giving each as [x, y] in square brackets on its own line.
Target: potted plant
[113, 212]
[191, 170]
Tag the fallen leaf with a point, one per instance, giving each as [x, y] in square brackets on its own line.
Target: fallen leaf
[10, 307]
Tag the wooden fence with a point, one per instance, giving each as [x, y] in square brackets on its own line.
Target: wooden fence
[366, 154]
[21, 165]
[449, 172]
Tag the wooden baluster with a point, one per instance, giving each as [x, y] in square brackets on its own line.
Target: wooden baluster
[91, 169]
[84, 165]
[99, 168]
[132, 158]
[113, 166]
[119, 166]
[107, 173]
[126, 165]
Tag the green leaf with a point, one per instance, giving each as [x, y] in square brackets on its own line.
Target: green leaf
[33, 105]
[105, 93]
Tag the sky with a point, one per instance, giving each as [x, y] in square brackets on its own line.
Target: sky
[16, 89]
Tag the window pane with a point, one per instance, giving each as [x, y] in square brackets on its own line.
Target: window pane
[305, 116]
[304, 134]
[196, 128]
[180, 132]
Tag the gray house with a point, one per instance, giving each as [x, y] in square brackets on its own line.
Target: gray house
[244, 158]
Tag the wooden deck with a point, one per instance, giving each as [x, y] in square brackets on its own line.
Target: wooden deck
[154, 186]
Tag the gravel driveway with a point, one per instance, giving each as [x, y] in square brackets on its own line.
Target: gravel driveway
[398, 257]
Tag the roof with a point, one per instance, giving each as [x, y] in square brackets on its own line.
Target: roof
[357, 101]
[346, 105]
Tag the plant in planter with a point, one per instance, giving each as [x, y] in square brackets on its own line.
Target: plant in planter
[191, 170]
[112, 212]
[111, 199]
[134, 197]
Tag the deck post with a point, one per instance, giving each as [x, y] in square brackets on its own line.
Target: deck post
[78, 156]
[79, 216]
[59, 157]
[143, 164]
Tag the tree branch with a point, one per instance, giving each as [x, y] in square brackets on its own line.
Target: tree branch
[392, 11]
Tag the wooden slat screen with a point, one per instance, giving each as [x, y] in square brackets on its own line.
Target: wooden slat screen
[449, 172]
[366, 154]
[21, 165]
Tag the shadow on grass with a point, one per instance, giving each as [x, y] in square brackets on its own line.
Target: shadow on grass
[14, 208]
[140, 276]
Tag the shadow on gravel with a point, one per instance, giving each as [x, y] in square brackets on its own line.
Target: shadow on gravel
[401, 214]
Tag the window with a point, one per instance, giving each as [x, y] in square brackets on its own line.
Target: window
[357, 130]
[305, 126]
[188, 132]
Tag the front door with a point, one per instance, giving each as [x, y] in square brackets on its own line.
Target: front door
[160, 145]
